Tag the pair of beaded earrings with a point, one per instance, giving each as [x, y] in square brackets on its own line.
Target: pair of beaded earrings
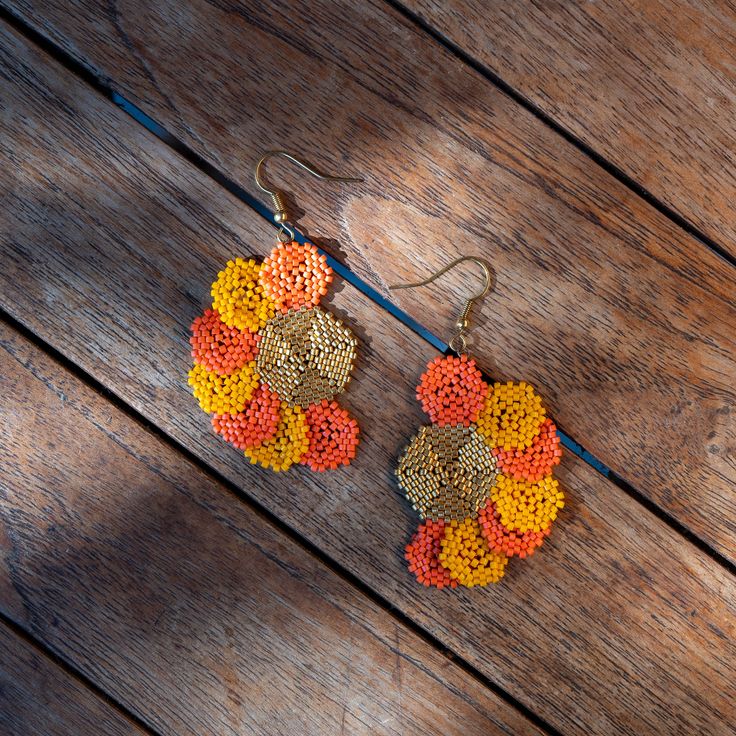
[269, 362]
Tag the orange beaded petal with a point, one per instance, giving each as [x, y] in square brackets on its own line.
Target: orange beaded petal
[333, 436]
[452, 390]
[422, 555]
[535, 461]
[220, 348]
[256, 424]
[467, 556]
[295, 275]
[503, 540]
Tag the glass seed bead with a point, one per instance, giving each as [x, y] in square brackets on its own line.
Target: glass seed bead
[452, 391]
[295, 275]
[223, 394]
[524, 506]
[506, 541]
[467, 557]
[333, 436]
[254, 425]
[422, 555]
[238, 296]
[220, 348]
[288, 444]
[511, 416]
[535, 461]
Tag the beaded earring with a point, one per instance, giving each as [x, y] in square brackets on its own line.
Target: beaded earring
[480, 475]
[268, 360]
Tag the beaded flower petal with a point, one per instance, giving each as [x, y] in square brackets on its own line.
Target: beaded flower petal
[268, 361]
[480, 476]
[422, 554]
[288, 444]
[467, 557]
[452, 391]
[295, 276]
[333, 436]
[220, 348]
[255, 424]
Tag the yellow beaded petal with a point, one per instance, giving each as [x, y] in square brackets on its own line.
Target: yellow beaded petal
[511, 417]
[238, 296]
[465, 554]
[224, 394]
[525, 506]
[289, 443]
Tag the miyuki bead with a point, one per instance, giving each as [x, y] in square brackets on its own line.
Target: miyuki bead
[465, 554]
[506, 541]
[295, 275]
[452, 390]
[422, 555]
[223, 394]
[537, 460]
[527, 506]
[333, 436]
[288, 444]
[446, 472]
[254, 425]
[238, 296]
[306, 355]
[511, 416]
[220, 348]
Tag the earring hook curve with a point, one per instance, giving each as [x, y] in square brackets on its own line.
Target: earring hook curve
[281, 214]
[458, 343]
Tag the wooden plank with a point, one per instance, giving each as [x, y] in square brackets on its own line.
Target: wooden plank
[192, 610]
[648, 85]
[38, 698]
[619, 626]
[621, 319]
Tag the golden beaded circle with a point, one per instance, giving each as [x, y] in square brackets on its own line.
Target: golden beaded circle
[447, 472]
[306, 355]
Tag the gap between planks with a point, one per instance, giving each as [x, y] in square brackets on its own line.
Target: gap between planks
[106, 89]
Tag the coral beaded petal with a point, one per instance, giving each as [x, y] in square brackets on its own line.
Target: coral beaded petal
[452, 391]
[295, 275]
[244, 365]
[515, 499]
[220, 348]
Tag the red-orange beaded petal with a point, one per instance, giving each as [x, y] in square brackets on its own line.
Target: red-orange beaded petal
[254, 425]
[503, 540]
[422, 555]
[220, 348]
[333, 436]
[452, 390]
[537, 460]
[295, 275]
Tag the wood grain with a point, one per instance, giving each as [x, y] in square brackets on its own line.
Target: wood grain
[38, 698]
[192, 610]
[648, 84]
[109, 241]
[622, 320]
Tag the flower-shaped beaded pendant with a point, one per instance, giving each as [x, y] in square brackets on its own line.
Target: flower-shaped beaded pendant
[480, 476]
[269, 362]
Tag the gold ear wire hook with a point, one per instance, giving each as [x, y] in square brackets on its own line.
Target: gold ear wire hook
[458, 343]
[281, 214]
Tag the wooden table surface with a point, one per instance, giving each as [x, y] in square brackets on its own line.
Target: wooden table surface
[151, 580]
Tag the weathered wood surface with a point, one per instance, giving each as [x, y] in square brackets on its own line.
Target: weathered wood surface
[200, 617]
[648, 84]
[623, 322]
[38, 698]
[109, 241]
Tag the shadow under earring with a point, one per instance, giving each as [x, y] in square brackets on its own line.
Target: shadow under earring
[269, 360]
[480, 475]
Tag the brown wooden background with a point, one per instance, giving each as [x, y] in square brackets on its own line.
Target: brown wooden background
[152, 582]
